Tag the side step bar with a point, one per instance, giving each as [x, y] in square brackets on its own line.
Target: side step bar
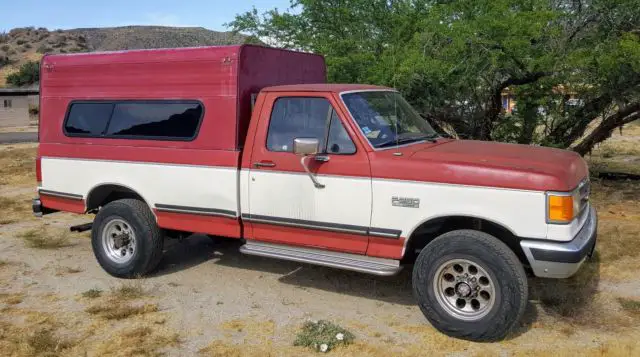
[354, 262]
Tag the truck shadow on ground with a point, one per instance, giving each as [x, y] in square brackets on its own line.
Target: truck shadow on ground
[564, 299]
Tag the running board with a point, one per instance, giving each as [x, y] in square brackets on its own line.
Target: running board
[354, 262]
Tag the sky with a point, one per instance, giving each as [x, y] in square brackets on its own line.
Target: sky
[67, 14]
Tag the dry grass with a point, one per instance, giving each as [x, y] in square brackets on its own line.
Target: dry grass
[18, 165]
[140, 341]
[618, 205]
[32, 333]
[111, 310]
[43, 238]
[62, 271]
[32, 341]
[620, 153]
[15, 208]
[11, 299]
[129, 291]
[93, 293]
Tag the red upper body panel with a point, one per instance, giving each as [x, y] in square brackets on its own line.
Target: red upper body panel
[478, 163]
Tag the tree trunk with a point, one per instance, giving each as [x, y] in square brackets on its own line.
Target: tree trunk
[484, 129]
[608, 125]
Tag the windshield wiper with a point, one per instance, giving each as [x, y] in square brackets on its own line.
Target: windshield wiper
[430, 137]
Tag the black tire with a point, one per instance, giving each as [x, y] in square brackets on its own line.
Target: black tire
[497, 260]
[149, 238]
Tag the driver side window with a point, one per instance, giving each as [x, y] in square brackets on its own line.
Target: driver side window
[307, 117]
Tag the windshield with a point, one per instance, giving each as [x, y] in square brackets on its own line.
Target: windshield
[386, 119]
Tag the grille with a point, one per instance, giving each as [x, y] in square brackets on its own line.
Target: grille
[584, 190]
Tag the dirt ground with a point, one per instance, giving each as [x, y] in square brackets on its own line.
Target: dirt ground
[207, 299]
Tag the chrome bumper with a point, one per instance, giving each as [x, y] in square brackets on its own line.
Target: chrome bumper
[561, 260]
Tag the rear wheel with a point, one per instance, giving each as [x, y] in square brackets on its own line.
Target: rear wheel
[126, 240]
[470, 285]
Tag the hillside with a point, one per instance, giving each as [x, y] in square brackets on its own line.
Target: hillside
[29, 44]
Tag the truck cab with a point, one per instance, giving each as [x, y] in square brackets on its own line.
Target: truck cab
[250, 143]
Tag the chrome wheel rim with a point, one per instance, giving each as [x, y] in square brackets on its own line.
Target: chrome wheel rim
[119, 241]
[464, 289]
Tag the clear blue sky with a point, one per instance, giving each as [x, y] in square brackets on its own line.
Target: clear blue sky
[66, 14]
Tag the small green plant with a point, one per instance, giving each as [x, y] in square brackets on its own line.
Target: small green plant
[92, 293]
[5, 47]
[322, 336]
[21, 42]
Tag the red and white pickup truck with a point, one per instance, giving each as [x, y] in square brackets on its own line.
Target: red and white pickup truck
[249, 142]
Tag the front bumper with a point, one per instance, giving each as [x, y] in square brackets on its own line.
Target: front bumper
[562, 260]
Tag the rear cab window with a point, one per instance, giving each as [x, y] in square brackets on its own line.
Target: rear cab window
[146, 120]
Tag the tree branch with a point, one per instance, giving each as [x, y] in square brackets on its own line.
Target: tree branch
[607, 126]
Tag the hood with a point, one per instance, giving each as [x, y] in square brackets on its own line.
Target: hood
[481, 163]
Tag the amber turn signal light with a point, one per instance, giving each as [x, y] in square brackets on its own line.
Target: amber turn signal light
[560, 208]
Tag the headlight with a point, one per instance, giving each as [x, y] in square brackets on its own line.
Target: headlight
[563, 207]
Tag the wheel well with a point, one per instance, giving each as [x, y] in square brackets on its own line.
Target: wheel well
[430, 230]
[104, 194]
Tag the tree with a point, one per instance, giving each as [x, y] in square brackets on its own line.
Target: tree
[569, 63]
[28, 74]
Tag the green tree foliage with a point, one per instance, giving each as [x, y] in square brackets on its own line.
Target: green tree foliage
[569, 63]
[28, 74]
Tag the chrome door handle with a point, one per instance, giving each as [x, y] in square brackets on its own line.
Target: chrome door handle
[264, 164]
[322, 158]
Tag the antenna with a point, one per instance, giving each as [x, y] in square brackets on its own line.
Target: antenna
[395, 98]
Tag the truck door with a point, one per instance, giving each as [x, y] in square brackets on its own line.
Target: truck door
[328, 208]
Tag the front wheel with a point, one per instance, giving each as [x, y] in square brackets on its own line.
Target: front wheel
[470, 285]
[126, 240]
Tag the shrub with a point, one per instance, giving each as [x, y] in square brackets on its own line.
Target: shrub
[21, 41]
[34, 110]
[5, 47]
[28, 74]
[44, 49]
[28, 45]
[4, 60]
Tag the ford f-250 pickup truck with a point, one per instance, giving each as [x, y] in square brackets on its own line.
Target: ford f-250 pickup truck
[249, 142]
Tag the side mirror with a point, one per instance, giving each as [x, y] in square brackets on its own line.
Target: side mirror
[305, 146]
